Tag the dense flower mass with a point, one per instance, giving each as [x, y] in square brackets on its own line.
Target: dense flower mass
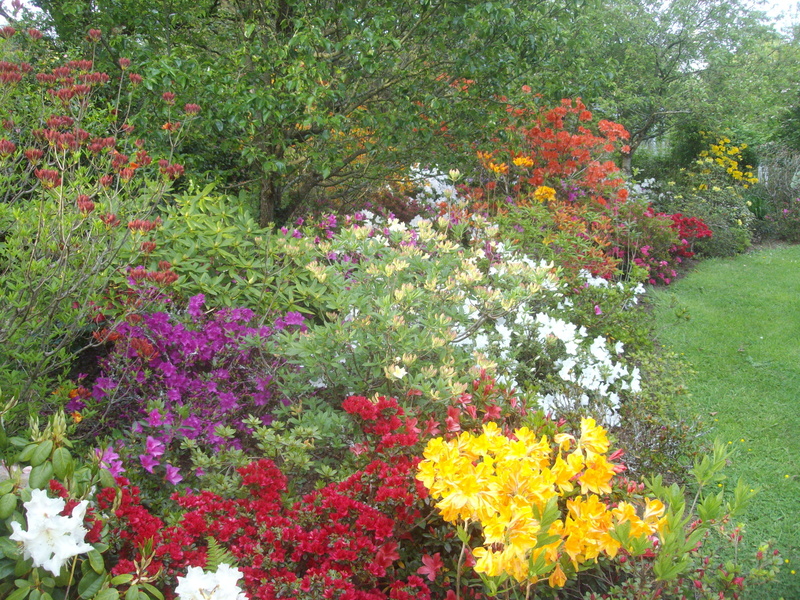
[511, 486]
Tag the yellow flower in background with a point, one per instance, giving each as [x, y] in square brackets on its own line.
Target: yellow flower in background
[499, 169]
[523, 161]
[544, 193]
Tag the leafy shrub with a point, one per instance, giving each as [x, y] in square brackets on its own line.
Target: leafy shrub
[75, 184]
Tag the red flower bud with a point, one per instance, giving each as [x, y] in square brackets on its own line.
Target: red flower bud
[168, 97]
[95, 35]
[124, 63]
[7, 147]
[35, 33]
[85, 204]
[192, 109]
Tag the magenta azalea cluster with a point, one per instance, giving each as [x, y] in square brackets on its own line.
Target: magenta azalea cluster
[185, 378]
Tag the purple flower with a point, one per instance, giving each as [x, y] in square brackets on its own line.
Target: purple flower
[168, 369]
[148, 462]
[196, 305]
[173, 475]
[227, 401]
[102, 386]
[154, 418]
[294, 318]
[154, 447]
[109, 459]
[75, 404]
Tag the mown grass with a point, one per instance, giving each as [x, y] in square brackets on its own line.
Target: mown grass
[737, 322]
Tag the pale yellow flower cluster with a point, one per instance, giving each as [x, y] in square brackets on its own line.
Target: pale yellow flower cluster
[511, 485]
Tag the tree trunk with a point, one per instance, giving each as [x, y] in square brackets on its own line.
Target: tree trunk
[269, 198]
[626, 162]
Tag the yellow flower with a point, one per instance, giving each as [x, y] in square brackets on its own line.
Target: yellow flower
[593, 438]
[499, 169]
[597, 476]
[566, 470]
[523, 161]
[544, 193]
[557, 577]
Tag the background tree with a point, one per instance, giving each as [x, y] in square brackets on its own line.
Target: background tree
[310, 101]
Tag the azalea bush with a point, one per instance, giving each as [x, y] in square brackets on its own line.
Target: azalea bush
[716, 188]
[533, 511]
[76, 184]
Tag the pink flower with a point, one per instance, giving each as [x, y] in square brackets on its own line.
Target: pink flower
[148, 462]
[154, 447]
[173, 475]
[597, 310]
[431, 565]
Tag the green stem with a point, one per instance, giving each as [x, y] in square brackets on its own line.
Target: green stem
[460, 562]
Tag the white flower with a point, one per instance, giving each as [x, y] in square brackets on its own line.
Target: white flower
[51, 539]
[200, 585]
[395, 372]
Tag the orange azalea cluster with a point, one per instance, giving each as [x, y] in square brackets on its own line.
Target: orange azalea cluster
[509, 485]
[557, 147]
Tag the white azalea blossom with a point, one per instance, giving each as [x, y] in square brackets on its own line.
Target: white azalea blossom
[395, 372]
[51, 539]
[202, 585]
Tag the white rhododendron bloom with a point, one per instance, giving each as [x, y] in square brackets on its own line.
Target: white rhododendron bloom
[201, 585]
[51, 539]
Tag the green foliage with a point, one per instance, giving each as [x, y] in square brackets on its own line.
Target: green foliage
[657, 430]
[69, 183]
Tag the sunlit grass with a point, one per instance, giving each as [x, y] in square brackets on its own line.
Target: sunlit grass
[737, 321]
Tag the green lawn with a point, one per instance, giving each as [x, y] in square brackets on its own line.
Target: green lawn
[737, 321]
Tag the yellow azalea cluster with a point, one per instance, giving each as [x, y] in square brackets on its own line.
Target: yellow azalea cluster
[499, 169]
[729, 157]
[544, 193]
[507, 483]
[523, 161]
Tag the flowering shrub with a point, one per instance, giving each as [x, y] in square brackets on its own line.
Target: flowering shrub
[75, 182]
[338, 542]
[199, 380]
[511, 487]
[549, 508]
[556, 151]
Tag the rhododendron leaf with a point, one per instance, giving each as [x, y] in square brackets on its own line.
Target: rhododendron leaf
[122, 579]
[42, 453]
[96, 561]
[41, 475]
[153, 591]
[107, 594]
[63, 465]
[90, 584]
